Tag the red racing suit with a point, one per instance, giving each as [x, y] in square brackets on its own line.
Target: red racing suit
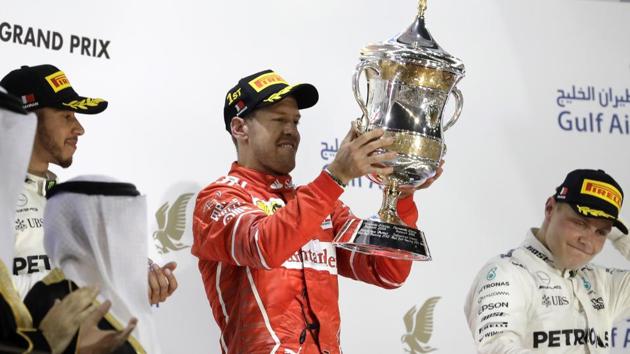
[269, 266]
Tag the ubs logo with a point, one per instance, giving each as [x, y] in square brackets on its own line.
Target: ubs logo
[20, 225]
[555, 300]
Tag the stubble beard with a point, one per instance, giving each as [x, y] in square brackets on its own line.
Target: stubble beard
[284, 167]
[54, 150]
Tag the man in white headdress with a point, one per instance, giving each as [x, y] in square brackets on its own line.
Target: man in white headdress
[17, 333]
[16, 141]
[95, 233]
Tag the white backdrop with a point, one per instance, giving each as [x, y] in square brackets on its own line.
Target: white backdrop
[171, 62]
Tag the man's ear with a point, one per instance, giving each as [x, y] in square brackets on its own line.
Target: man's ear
[549, 206]
[239, 128]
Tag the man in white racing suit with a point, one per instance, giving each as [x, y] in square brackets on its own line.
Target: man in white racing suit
[544, 296]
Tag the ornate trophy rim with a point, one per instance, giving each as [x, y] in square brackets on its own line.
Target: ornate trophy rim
[415, 45]
[394, 52]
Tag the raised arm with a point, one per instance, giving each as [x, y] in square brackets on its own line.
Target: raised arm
[228, 227]
[619, 280]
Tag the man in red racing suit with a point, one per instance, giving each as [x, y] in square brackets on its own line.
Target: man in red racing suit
[265, 248]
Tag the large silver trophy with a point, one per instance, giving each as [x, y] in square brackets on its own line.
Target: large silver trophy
[409, 80]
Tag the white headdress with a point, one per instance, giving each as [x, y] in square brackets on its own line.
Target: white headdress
[95, 230]
[16, 143]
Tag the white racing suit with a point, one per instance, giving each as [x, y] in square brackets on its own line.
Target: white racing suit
[30, 262]
[521, 303]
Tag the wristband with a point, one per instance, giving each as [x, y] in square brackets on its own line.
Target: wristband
[335, 178]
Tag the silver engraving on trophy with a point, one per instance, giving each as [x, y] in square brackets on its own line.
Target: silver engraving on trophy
[409, 80]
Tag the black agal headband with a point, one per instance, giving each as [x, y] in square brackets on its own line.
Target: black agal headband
[114, 189]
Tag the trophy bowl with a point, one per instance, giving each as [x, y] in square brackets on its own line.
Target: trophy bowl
[409, 81]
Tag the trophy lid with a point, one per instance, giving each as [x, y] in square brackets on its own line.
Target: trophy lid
[415, 44]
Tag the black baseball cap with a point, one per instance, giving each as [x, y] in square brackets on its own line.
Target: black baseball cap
[262, 89]
[593, 193]
[47, 86]
[10, 102]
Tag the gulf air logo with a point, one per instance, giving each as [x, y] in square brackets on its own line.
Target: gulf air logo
[58, 81]
[263, 81]
[171, 224]
[602, 191]
[419, 325]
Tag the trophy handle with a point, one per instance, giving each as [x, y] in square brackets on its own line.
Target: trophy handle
[363, 122]
[459, 100]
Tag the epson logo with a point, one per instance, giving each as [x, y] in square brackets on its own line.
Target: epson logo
[492, 306]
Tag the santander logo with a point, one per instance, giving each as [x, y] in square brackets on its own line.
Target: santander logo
[314, 255]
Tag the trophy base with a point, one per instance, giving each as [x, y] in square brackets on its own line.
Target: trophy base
[383, 239]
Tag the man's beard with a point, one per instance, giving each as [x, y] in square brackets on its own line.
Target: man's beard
[53, 150]
[65, 163]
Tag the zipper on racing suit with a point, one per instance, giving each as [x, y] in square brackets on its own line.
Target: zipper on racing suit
[311, 327]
